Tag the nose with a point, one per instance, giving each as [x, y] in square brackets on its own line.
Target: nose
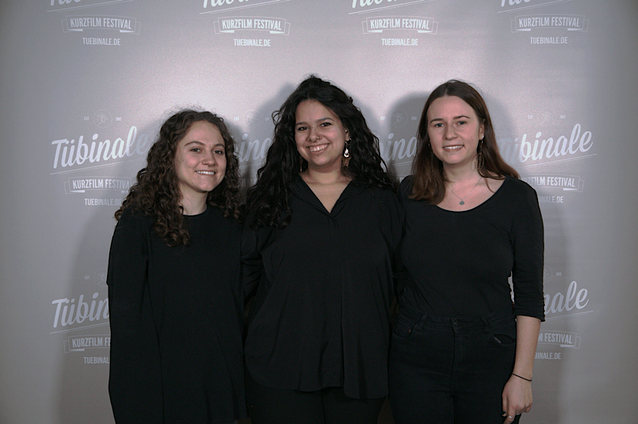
[449, 131]
[209, 158]
[313, 134]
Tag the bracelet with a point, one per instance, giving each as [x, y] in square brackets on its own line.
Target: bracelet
[526, 379]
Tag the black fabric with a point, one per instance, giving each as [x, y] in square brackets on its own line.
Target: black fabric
[267, 405]
[320, 317]
[176, 317]
[459, 262]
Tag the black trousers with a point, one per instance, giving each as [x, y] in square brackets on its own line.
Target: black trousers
[267, 405]
[450, 370]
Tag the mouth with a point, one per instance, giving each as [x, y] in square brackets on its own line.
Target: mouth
[318, 149]
[206, 172]
[453, 148]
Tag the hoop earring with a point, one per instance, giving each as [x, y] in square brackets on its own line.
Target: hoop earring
[346, 157]
[431, 158]
[480, 159]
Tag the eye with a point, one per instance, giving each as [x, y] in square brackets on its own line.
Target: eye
[461, 122]
[437, 125]
[326, 124]
[219, 152]
[300, 128]
[196, 149]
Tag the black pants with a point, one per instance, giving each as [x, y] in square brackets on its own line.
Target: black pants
[450, 370]
[267, 405]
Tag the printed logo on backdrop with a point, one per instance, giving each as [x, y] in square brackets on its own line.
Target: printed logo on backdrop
[247, 31]
[550, 147]
[558, 185]
[395, 31]
[567, 302]
[545, 147]
[251, 152]
[397, 150]
[220, 6]
[70, 316]
[103, 143]
[63, 5]
[543, 28]
[96, 29]
[367, 6]
[516, 5]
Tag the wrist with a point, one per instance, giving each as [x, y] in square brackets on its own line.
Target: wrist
[522, 377]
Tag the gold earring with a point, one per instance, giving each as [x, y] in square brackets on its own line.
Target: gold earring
[346, 156]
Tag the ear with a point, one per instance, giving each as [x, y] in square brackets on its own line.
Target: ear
[482, 130]
[347, 135]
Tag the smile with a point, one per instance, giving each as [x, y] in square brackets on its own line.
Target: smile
[318, 149]
[452, 148]
[206, 172]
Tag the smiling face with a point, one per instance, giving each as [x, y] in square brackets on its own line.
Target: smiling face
[320, 136]
[200, 161]
[454, 131]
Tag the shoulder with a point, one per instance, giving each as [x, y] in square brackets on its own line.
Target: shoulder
[133, 219]
[518, 189]
[405, 188]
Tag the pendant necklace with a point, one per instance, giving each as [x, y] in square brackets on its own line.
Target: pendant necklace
[462, 200]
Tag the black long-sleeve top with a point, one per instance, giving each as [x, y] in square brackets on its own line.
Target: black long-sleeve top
[320, 317]
[176, 315]
[459, 262]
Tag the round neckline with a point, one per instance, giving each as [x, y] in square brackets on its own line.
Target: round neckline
[198, 214]
[480, 204]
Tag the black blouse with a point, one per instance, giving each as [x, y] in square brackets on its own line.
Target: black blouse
[459, 262]
[320, 317]
[176, 315]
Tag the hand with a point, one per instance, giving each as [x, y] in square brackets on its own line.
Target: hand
[517, 398]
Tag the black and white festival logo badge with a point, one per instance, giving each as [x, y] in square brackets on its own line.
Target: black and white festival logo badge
[564, 300]
[246, 30]
[74, 317]
[95, 29]
[253, 144]
[543, 28]
[546, 147]
[97, 145]
[394, 31]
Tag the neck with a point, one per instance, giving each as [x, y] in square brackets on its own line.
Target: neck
[461, 174]
[455, 176]
[193, 206]
[324, 178]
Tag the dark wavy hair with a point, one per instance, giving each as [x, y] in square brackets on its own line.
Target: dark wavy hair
[156, 192]
[429, 176]
[268, 198]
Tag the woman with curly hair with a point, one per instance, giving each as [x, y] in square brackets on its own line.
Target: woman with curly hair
[322, 229]
[462, 351]
[175, 298]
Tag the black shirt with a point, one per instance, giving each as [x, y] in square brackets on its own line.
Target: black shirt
[459, 262]
[320, 317]
[176, 317]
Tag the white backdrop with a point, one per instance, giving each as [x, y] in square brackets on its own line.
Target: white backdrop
[84, 85]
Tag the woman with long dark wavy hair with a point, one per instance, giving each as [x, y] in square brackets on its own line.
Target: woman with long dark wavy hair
[322, 228]
[462, 350]
[175, 298]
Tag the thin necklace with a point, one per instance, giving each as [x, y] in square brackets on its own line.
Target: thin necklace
[462, 201]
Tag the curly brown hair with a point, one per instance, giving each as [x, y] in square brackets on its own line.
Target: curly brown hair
[429, 176]
[268, 199]
[156, 192]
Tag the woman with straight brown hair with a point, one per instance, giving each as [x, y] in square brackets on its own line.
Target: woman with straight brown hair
[462, 349]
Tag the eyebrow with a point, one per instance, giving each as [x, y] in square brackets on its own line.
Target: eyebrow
[456, 117]
[201, 143]
[327, 118]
